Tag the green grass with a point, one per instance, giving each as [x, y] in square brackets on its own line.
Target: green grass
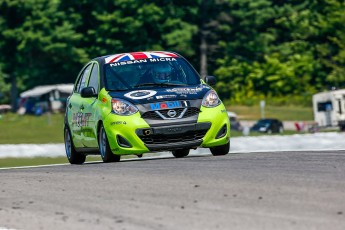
[286, 113]
[17, 129]
[18, 162]
[24, 161]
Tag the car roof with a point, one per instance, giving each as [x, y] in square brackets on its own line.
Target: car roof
[135, 56]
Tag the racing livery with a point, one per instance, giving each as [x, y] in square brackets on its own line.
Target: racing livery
[140, 102]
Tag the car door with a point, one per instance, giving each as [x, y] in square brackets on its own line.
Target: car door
[75, 117]
[90, 111]
[275, 126]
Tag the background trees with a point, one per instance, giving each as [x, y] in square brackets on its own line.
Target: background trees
[281, 51]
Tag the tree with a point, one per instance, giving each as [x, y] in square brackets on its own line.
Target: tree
[37, 39]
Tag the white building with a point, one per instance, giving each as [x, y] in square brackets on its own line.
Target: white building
[47, 98]
[329, 108]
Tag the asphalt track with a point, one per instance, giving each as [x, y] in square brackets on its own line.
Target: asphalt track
[266, 190]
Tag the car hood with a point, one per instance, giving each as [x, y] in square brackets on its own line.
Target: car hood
[149, 95]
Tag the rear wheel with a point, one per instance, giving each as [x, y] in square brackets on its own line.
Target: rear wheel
[104, 148]
[220, 150]
[180, 153]
[281, 129]
[72, 155]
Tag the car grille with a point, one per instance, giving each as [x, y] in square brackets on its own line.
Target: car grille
[155, 115]
[168, 139]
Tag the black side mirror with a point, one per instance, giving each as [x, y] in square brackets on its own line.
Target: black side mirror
[88, 92]
[210, 80]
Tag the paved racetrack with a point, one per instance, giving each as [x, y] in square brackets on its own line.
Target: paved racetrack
[267, 190]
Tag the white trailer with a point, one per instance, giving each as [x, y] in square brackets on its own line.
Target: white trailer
[329, 108]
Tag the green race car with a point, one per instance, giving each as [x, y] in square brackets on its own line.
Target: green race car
[140, 102]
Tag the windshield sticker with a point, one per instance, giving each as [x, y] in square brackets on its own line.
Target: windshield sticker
[166, 96]
[139, 56]
[129, 62]
[140, 94]
[185, 90]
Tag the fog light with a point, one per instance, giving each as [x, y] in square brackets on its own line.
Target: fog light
[123, 142]
[222, 132]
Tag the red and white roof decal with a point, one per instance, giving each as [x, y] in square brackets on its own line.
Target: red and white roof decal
[138, 56]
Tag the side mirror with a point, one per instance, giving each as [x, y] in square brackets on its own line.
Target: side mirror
[210, 80]
[88, 92]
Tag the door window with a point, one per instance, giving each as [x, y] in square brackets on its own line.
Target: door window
[94, 77]
[82, 80]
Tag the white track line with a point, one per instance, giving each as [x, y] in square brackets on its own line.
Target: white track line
[167, 155]
[89, 162]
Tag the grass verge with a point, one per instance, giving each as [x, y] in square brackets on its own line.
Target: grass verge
[18, 162]
[19, 129]
[286, 113]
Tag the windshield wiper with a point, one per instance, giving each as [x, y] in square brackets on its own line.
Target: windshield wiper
[158, 84]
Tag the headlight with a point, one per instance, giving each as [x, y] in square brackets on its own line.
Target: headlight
[211, 99]
[122, 107]
[263, 129]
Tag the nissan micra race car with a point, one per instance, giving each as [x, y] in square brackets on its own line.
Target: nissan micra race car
[140, 102]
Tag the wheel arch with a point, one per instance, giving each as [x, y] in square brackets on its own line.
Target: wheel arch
[99, 123]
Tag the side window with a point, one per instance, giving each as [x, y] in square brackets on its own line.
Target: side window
[82, 80]
[94, 77]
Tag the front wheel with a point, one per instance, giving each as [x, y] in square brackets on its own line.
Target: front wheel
[106, 153]
[180, 153]
[281, 129]
[72, 155]
[220, 150]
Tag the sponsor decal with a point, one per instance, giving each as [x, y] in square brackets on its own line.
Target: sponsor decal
[81, 119]
[140, 94]
[141, 61]
[174, 129]
[168, 105]
[104, 100]
[138, 56]
[166, 96]
[185, 90]
[118, 123]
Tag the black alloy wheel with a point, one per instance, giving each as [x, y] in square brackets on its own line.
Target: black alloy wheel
[72, 155]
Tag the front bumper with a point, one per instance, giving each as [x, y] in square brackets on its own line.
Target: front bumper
[173, 136]
[143, 138]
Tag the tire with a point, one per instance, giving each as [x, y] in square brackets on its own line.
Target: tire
[180, 153]
[72, 155]
[220, 150]
[342, 128]
[281, 129]
[104, 148]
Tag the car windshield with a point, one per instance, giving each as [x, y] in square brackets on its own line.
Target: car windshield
[263, 123]
[164, 72]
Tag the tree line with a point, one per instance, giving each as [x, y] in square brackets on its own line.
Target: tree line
[281, 51]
